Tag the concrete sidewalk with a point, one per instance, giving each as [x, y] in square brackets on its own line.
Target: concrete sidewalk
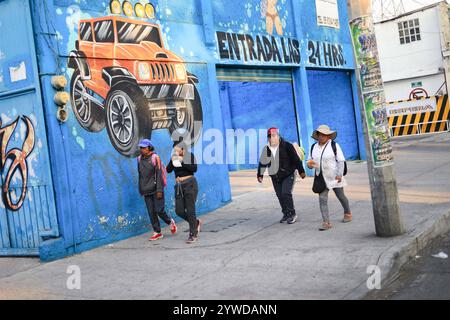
[245, 253]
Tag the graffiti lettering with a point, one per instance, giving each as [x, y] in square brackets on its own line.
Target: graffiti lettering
[14, 161]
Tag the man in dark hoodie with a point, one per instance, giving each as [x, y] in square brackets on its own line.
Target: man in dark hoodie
[151, 187]
[281, 160]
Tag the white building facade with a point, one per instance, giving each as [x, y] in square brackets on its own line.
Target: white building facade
[414, 50]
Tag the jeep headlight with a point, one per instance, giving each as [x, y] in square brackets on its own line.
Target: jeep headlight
[180, 71]
[144, 71]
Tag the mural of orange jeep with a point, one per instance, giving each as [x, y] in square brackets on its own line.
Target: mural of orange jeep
[126, 80]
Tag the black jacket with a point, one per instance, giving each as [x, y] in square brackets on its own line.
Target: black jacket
[188, 166]
[284, 164]
[150, 177]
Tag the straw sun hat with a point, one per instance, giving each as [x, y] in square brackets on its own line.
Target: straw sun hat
[324, 129]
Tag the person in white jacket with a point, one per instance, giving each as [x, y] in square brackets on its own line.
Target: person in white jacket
[323, 157]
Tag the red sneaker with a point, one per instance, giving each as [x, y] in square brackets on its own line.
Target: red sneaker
[173, 227]
[156, 236]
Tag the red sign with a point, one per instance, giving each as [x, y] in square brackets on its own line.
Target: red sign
[418, 93]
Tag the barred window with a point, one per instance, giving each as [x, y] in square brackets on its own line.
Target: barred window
[409, 31]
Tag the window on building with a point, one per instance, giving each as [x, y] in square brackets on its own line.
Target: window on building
[409, 31]
[104, 31]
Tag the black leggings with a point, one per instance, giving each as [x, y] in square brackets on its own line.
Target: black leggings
[185, 198]
[156, 209]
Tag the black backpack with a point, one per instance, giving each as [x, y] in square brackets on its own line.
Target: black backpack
[333, 145]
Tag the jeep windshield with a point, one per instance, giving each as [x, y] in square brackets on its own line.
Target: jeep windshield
[136, 33]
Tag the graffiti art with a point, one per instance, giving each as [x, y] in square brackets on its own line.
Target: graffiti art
[125, 80]
[14, 162]
[269, 11]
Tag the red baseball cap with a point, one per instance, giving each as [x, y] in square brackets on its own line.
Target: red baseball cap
[272, 131]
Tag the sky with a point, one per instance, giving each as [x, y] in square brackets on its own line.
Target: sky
[409, 5]
[415, 4]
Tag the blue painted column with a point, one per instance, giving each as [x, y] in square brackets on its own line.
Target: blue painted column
[218, 123]
[225, 106]
[303, 111]
[301, 93]
[57, 133]
[208, 23]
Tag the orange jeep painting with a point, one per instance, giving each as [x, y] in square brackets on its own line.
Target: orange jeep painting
[126, 80]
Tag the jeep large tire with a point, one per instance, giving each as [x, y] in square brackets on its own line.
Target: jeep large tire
[127, 120]
[88, 114]
[183, 122]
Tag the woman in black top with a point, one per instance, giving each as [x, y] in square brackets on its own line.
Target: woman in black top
[184, 165]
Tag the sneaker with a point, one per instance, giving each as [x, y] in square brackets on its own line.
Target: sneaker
[156, 236]
[173, 227]
[347, 217]
[191, 239]
[284, 219]
[292, 219]
[325, 226]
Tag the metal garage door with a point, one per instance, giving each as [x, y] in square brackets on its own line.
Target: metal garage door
[256, 99]
[332, 104]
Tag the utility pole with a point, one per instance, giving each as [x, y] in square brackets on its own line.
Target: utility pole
[380, 164]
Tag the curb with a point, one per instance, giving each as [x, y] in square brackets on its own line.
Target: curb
[408, 246]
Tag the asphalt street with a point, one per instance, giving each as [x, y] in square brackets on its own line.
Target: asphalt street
[424, 277]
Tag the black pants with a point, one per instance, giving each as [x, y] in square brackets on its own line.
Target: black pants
[155, 208]
[185, 198]
[284, 189]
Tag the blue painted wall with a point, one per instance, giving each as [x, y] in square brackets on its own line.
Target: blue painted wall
[103, 203]
[312, 32]
[320, 48]
[298, 20]
[96, 187]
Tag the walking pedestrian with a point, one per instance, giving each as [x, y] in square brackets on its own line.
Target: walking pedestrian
[184, 164]
[281, 160]
[151, 187]
[328, 160]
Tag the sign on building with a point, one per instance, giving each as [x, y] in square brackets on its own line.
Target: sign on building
[411, 107]
[327, 13]
[419, 116]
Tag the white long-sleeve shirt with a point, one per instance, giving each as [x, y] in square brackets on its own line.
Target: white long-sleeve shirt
[332, 166]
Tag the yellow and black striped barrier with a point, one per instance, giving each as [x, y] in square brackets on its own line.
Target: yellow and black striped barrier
[421, 123]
